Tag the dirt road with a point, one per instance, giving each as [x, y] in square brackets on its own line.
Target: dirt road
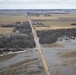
[36, 39]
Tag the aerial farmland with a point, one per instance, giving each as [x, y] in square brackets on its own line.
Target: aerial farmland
[38, 42]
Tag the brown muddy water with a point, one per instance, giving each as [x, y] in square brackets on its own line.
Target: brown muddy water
[23, 63]
[61, 60]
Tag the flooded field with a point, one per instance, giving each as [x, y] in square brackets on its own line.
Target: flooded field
[62, 60]
[23, 63]
[23, 53]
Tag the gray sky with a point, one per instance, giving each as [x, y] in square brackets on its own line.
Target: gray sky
[37, 4]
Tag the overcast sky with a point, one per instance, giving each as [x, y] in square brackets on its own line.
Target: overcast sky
[37, 4]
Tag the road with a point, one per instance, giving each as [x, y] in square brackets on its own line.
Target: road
[45, 65]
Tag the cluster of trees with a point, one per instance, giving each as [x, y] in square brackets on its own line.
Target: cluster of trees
[73, 24]
[17, 41]
[51, 36]
[23, 28]
[23, 40]
[5, 25]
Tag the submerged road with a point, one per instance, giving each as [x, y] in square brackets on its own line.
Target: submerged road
[36, 39]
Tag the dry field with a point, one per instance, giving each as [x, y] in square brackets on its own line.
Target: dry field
[12, 19]
[43, 18]
[71, 15]
[56, 21]
[6, 30]
[54, 27]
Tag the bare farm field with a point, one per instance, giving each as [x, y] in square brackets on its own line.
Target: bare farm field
[44, 18]
[54, 27]
[70, 15]
[12, 19]
[55, 21]
[6, 30]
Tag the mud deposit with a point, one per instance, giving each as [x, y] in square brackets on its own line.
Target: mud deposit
[7, 57]
[61, 60]
[24, 63]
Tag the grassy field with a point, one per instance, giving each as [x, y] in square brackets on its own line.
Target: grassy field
[71, 15]
[6, 30]
[12, 19]
[54, 27]
[56, 21]
[43, 18]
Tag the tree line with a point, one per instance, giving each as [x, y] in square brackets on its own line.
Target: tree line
[51, 36]
[22, 40]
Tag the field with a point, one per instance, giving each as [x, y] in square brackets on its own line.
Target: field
[55, 47]
[60, 55]
[54, 27]
[43, 18]
[56, 21]
[12, 19]
[6, 30]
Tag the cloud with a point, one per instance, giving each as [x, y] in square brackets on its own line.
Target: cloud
[37, 3]
[1, 0]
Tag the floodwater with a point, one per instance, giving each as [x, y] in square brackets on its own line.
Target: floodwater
[61, 60]
[35, 68]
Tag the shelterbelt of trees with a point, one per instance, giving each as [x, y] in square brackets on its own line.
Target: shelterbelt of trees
[51, 36]
[24, 38]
